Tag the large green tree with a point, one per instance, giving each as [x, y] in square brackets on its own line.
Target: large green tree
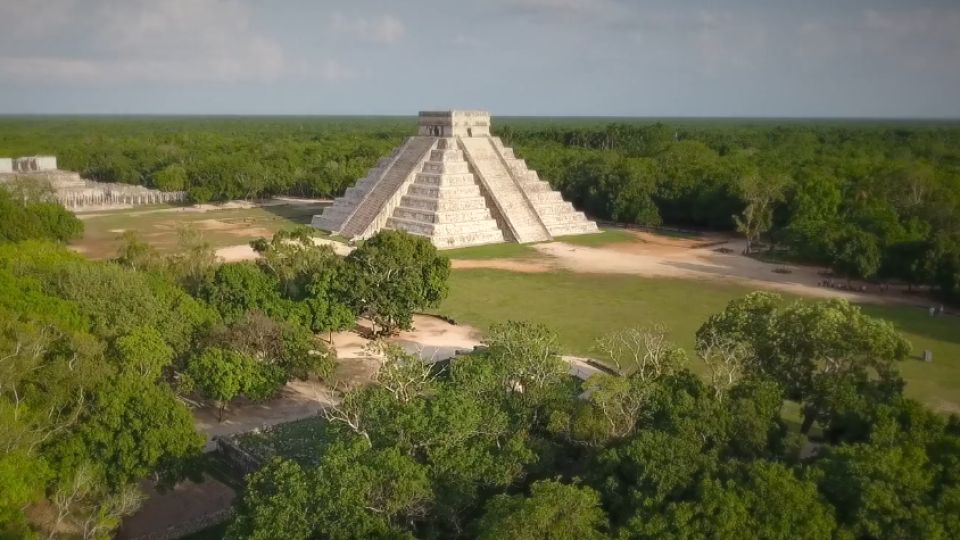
[396, 274]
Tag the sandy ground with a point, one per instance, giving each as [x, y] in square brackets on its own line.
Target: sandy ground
[696, 259]
[432, 338]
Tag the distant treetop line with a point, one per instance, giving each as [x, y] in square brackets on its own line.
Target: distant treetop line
[871, 197]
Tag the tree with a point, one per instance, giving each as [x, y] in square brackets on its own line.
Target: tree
[134, 427]
[276, 504]
[526, 361]
[856, 253]
[221, 375]
[193, 261]
[760, 193]
[135, 253]
[751, 504]
[27, 217]
[144, 352]
[170, 178]
[236, 288]
[553, 510]
[397, 273]
[806, 342]
[643, 352]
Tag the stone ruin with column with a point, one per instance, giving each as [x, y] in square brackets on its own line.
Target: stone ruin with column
[76, 193]
[457, 185]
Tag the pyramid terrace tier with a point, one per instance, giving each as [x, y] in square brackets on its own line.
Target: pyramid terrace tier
[458, 187]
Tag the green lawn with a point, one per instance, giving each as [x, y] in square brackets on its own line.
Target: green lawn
[582, 307]
[506, 250]
[603, 238]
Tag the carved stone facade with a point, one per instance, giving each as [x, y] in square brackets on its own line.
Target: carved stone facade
[457, 185]
[76, 193]
[35, 164]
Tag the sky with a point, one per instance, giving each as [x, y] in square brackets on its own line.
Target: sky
[669, 58]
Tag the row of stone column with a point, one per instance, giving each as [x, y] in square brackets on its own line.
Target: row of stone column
[114, 198]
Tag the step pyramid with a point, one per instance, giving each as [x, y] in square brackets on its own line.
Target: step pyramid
[457, 185]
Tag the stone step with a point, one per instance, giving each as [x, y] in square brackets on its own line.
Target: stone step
[538, 186]
[444, 191]
[467, 239]
[447, 216]
[443, 229]
[551, 208]
[582, 227]
[405, 161]
[449, 154]
[444, 204]
[450, 167]
[437, 179]
[563, 218]
[540, 197]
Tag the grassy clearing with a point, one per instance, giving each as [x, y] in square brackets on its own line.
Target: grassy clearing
[507, 250]
[221, 228]
[582, 307]
[603, 238]
[300, 440]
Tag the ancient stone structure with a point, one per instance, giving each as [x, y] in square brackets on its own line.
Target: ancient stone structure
[6, 165]
[76, 193]
[35, 164]
[457, 185]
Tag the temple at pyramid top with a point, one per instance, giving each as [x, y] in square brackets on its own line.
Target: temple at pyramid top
[457, 185]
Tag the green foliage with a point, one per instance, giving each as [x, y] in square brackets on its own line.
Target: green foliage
[35, 220]
[553, 510]
[396, 274]
[221, 375]
[236, 288]
[810, 347]
[502, 444]
[133, 427]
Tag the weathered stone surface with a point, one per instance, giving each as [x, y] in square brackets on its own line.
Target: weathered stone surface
[457, 185]
[76, 193]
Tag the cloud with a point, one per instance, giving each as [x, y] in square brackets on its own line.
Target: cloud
[173, 41]
[385, 29]
[571, 11]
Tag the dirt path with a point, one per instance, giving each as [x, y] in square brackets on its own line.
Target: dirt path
[696, 259]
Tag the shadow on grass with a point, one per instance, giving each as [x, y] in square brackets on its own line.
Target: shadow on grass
[296, 213]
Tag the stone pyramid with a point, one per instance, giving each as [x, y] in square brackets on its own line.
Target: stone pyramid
[457, 185]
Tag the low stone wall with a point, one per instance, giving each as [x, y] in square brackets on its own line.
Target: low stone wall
[236, 456]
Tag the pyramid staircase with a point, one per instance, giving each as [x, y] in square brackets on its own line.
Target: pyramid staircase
[558, 215]
[445, 203]
[456, 185]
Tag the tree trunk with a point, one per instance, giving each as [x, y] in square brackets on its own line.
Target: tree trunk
[808, 419]
[220, 412]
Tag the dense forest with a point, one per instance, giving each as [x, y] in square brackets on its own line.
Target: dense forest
[869, 199]
[505, 444]
[96, 356]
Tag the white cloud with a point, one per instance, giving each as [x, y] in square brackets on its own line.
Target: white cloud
[172, 41]
[385, 29]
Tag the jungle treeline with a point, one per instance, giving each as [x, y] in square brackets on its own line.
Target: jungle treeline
[869, 199]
